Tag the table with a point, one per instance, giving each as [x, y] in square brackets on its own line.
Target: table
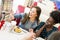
[4, 35]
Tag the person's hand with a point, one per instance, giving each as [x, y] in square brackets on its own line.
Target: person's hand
[30, 35]
[30, 30]
[47, 24]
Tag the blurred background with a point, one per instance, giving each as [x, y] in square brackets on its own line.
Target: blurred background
[21, 6]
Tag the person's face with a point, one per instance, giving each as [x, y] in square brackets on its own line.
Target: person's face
[50, 21]
[11, 17]
[33, 13]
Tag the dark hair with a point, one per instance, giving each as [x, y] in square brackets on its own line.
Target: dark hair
[38, 10]
[26, 17]
[54, 36]
[56, 16]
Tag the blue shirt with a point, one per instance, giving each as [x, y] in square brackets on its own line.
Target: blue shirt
[28, 25]
[44, 33]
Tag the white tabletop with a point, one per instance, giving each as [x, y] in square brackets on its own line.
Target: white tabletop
[15, 36]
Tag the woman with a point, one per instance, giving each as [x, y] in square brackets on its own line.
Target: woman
[31, 20]
[45, 29]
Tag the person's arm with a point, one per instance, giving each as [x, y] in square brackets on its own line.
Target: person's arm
[40, 30]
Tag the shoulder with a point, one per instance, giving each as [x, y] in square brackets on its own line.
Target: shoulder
[39, 26]
[55, 28]
[41, 23]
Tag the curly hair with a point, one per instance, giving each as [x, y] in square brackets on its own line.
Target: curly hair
[56, 16]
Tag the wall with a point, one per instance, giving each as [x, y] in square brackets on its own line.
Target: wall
[16, 3]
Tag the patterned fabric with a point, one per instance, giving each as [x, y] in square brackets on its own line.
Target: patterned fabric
[44, 33]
